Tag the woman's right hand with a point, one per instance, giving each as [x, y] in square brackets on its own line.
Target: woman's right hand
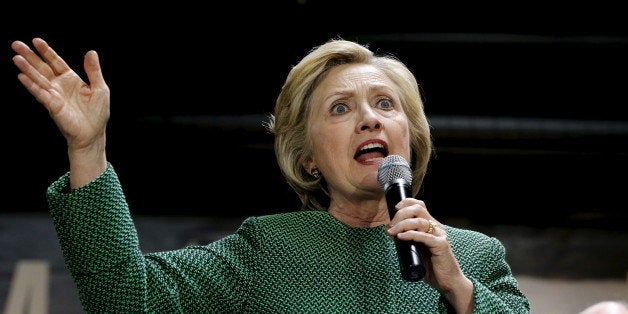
[80, 110]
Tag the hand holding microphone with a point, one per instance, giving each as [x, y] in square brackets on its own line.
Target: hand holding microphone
[395, 177]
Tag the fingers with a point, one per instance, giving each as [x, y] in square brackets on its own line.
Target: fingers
[416, 229]
[52, 65]
[34, 81]
[413, 222]
[409, 208]
[33, 59]
[33, 75]
[52, 58]
[422, 225]
[42, 95]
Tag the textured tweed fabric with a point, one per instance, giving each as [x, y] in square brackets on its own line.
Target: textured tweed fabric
[300, 262]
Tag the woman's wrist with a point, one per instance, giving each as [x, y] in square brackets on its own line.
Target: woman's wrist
[461, 296]
[87, 163]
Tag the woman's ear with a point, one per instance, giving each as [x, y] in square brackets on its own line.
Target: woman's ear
[309, 165]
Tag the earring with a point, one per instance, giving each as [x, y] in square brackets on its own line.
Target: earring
[315, 173]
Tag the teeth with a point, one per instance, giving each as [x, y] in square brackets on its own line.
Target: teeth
[374, 159]
[372, 145]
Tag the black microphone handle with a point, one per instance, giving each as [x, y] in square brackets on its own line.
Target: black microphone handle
[407, 251]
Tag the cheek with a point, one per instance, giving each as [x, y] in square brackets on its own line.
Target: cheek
[322, 139]
[326, 142]
[404, 133]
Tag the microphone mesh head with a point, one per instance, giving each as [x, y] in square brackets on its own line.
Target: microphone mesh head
[393, 167]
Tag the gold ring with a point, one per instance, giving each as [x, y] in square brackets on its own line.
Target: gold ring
[430, 229]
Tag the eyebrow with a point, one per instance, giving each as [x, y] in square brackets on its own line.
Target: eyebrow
[372, 87]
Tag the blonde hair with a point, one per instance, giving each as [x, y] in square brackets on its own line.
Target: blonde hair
[290, 119]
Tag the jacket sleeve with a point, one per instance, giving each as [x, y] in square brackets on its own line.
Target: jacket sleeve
[100, 247]
[483, 260]
[495, 289]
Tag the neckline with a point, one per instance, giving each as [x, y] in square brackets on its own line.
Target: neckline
[329, 217]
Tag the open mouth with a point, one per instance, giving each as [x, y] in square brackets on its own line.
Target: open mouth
[371, 151]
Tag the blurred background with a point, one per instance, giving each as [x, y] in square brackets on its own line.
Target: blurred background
[527, 106]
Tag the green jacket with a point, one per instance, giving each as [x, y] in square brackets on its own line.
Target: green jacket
[297, 262]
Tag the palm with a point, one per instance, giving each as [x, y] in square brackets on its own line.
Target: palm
[80, 112]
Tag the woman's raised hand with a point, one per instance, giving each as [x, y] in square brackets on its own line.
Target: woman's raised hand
[79, 109]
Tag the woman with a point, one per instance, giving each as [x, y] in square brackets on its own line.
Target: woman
[340, 112]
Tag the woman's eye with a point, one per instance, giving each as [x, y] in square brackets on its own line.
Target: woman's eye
[385, 104]
[339, 109]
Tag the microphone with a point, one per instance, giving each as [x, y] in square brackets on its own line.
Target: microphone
[395, 176]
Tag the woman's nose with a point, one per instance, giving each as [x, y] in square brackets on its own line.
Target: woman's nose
[368, 119]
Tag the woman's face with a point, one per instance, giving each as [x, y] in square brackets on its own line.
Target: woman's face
[356, 120]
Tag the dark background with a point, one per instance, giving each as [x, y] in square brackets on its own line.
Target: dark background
[527, 103]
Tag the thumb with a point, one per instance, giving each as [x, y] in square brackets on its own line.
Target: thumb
[93, 70]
